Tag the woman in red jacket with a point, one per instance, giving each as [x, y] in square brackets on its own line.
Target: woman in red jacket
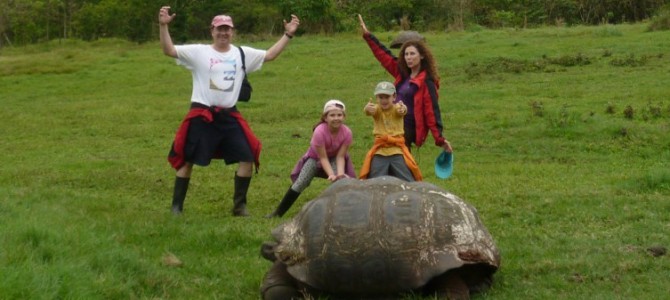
[416, 82]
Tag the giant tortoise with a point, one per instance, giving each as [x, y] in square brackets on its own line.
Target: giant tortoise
[378, 239]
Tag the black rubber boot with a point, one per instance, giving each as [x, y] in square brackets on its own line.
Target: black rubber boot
[285, 204]
[180, 188]
[240, 196]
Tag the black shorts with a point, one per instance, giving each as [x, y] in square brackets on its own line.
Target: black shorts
[223, 138]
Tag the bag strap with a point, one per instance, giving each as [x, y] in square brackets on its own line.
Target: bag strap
[244, 65]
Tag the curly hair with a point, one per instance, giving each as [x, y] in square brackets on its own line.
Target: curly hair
[427, 63]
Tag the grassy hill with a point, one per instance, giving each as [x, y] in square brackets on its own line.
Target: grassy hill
[561, 140]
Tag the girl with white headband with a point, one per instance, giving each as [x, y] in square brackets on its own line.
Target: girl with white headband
[327, 156]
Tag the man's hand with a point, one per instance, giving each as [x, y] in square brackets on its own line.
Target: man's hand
[164, 16]
[292, 26]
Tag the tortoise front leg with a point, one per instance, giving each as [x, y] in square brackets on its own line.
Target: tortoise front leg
[449, 286]
[278, 284]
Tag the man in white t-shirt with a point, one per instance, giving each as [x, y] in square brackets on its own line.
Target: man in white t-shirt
[213, 127]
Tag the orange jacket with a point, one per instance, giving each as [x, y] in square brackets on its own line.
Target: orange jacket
[391, 141]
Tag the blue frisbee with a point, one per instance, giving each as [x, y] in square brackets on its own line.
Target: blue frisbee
[444, 165]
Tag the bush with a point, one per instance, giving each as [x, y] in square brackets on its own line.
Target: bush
[661, 21]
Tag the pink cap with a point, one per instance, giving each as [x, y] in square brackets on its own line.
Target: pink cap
[222, 20]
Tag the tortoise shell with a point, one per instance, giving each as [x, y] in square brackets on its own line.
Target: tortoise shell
[383, 236]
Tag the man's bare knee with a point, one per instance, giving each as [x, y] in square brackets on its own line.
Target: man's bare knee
[245, 169]
[185, 171]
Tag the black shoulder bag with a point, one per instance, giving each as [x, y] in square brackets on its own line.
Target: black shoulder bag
[245, 91]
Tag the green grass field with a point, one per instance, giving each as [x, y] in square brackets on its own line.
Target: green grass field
[561, 140]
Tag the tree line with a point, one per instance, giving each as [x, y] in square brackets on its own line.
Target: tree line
[30, 21]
